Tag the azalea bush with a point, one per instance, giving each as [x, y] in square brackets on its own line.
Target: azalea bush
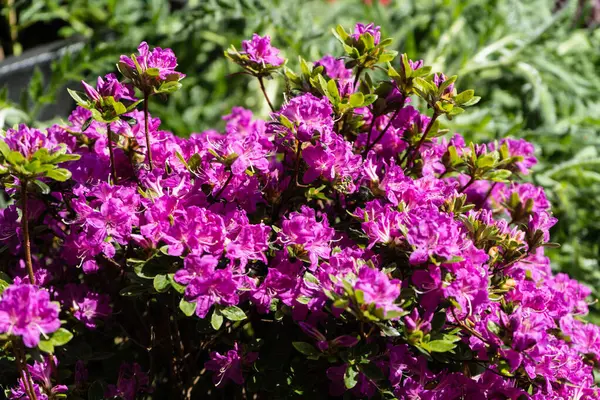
[346, 246]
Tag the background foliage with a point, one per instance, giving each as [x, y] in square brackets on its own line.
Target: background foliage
[534, 63]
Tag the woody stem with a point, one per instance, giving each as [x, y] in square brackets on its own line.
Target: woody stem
[25, 229]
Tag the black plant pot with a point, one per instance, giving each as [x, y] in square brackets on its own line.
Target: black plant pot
[16, 72]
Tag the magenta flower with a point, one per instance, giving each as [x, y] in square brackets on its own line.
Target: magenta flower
[518, 148]
[250, 244]
[132, 381]
[335, 68]
[303, 229]
[438, 79]
[310, 116]
[27, 140]
[111, 87]
[86, 306]
[216, 288]
[161, 62]
[371, 29]
[259, 50]
[229, 366]
[20, 392]
[432, 233]
[196, 267]
[27, 311]
[378, 289]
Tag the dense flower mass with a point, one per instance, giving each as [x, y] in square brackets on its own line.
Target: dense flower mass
[344, 246]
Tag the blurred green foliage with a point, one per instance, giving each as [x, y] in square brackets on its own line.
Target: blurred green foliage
[535, 63]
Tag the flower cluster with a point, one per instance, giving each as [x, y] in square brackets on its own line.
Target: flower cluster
[342, 245]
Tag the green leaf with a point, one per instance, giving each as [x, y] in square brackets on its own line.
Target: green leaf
[3, 285]
[161, 283]
[350, 377]
[465, 96]
[15, 158]
[357, 99]
[387, 57]
[334, 94]
[216, 319]
[119, 108]
[75, 95]
[46, 346]
[310, 278]
[233, 313]
[61, 337]
[306, 348]
[187, 308]
[59, 174]
[153, 72]
[178, 288]
[86, 124]
[340, 33]
[439, 346]
[371, 371]
[4, 149]
[44, 189]
[169, 87]
[500, 175]
[474, 100]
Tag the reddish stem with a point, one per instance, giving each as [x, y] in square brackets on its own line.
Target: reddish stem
[113, 167]
[25, 228]
[148, 148]
[262, 87]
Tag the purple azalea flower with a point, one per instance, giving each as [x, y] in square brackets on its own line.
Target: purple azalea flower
[378, 289]
[86, 306]
[310, 115]
[259, 50]
[438, 79]
[371, 29]
[518, 148]
[216, 288]
[27, 311]
[335, 68]
[131, 382]
[229, 366]
[303, 229]
[108, 87]
[27, 140]
[162, 60]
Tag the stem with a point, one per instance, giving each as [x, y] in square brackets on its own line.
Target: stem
[113, 167]
[148, 148]
[385, 129]
[469, 329]
[12, 23]
[24, 374]
[297, 168]
[262, 87]
[25, 228]
[373, 118]
[413, 154]
[225, 185]
[487, 196]
[471, 181]
[358, 72]
[444, 174]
